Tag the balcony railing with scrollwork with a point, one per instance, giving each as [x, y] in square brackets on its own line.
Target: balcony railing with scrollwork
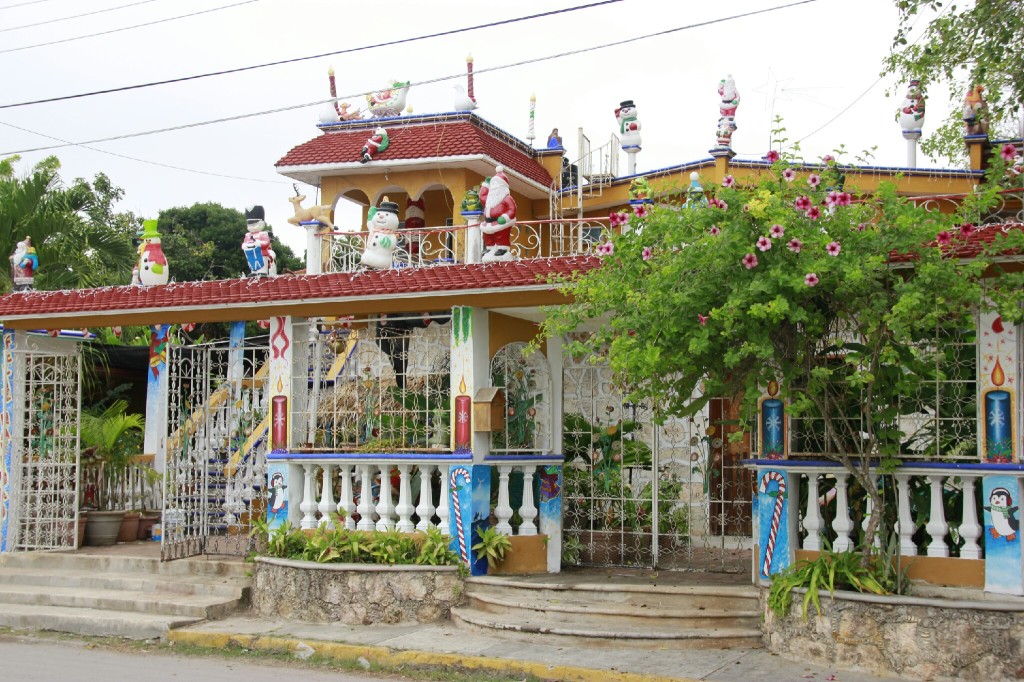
[434, 246]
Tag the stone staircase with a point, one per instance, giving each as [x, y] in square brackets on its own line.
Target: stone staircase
[114, 595]
[610, 613]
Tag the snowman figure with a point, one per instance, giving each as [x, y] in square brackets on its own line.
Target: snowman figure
[1005, 524]
[152, 266]
[629, 125]
[382, 224]
[499, 217]
[912, 111]
[256, 244]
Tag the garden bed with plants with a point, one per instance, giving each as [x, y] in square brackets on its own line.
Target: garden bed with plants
[354, 577]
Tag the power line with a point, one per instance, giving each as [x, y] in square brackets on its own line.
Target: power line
[401, 41]
[146, 161]
[75, 16]
[429, 81]
[23, 4]
[127, 28]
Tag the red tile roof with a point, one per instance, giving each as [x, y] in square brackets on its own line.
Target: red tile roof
[367, 284]
[972, 245]
[464, 135]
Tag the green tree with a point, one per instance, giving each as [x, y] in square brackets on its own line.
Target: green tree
[964, 44]
[79, 238]
[784, 281]
[204, 241]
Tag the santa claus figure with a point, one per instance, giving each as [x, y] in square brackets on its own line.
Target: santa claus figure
[24, 262]
[415, 221]
[377, 144]
[499, 217]
[256, 244]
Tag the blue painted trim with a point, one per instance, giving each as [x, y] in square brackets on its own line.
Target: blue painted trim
[820, 463]
[505, 459]
[383, 456]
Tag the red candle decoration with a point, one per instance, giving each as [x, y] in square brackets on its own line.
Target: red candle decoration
[462, 422]
[279, 429]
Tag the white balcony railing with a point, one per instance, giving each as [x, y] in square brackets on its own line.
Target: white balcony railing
[449, 245]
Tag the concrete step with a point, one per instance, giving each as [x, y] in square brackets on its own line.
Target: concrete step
[668, 597]
[206, 586]
[619, 615]
[540, 628]
[179, 605]
[91, 621]
[125, 564]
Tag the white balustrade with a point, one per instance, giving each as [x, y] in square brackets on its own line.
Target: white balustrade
[347, 505]
[365, 507]
[970, 529]
[812, 517]
[503, 510]
[308, 506]
[443, 506]
[842, 524]
[385, 506]
[905, 522]
[528, 510]
[869, 505]
[327, 504]
[405, 508]
[425, 508]
[937, 526]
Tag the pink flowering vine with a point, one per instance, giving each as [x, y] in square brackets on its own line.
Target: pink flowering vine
[618, 218]
[714, 231]
[776, 231]
[789, 175]
[811, 279]
[646, 253]
[750, 261]
[728, 181]
[861, 227]
[966, 230]
[943, 238]
[772, 156]
[814, 180]
[641, 210]
[763, 244]
[833, 248]
[703, 319]
[606, 249]
[827, 159]
[835, 198]
[802, 203]
[814, 213]
[795, 245]
[1008, 152]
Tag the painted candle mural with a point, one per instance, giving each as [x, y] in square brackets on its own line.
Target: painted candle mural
[773, 424]
[998, 377]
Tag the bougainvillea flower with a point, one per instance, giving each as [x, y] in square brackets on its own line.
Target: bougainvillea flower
[813, 179]
[789, 175]
[646, 253]
[1008, 152]
[641, 210]
[714, 230]
[728, 181]
[750, 261]
[703, 319]
[814, 213]
[776, 231]
[795, 245]
[943, 238]
[811, 279]
[802, 203]
[966, 229]
[618, 218]
[833, 248]
[772, 156]
[763, 244]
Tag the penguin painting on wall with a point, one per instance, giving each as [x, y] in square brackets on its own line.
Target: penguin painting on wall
[279, 501]
[1005, 524]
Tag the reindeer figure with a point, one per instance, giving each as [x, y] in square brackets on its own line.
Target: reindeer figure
[321, 214]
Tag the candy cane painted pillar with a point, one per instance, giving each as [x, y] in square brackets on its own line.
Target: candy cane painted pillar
[155, 439]
[469, 488]
[11, 393]
[775, 552]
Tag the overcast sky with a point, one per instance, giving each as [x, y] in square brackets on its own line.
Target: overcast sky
[806, 63]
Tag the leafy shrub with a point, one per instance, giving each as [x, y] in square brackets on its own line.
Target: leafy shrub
[340, 545]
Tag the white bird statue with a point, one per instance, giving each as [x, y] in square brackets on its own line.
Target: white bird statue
[462, 101]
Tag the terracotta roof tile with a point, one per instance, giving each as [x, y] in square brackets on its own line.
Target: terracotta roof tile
[417, 140]
[286, 288]
[971, 246]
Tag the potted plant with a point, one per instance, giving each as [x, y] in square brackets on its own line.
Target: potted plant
[109, 441]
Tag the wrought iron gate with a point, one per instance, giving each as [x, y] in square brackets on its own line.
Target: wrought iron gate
[45, 389]
[671, 496]
[218, 430]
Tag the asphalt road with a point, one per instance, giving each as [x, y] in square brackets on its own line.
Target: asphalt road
[30, 660]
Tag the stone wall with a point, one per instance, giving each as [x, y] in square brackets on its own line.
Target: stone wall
[354, 593]
[911, 637]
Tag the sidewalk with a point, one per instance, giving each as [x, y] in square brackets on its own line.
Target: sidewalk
[446, 645]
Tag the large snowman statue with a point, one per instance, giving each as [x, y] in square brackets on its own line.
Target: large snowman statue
[912, 109]
[382, 224]
[499, 217]
[152, 266]
[629, 124]
[256, 244]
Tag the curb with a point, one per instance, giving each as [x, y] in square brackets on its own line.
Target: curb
[393, 658]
